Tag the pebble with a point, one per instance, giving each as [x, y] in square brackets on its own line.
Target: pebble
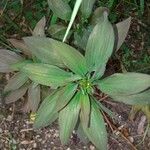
[1, 130]
[92, 147]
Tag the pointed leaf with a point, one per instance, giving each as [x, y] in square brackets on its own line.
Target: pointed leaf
[72, 58]
[16, 82]
[46, 114]
[15, 95]
[39, 29]
[68, 92]
[100, 45]
[136, 99]
[122, 29]
[124, 83]
[44, 50]
[34, 97]
[68, 117]
[60, 8]
[86, 7]
[19, 44]
[85, 109]
[96, 132]
[48, 75]
[7, 58]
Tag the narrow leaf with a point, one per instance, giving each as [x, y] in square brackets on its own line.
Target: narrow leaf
[60, 8]
[85, 109]
[44, 50]
[45, 114]
[124, 83]
[15, 95]
[68, 118]
[16, 82]
[86, 7]
[122, 31]
[136, 99]
[48, 75]
[74, 13]
[39, 29]
[34, 97]
[96, 132]
[100, 45]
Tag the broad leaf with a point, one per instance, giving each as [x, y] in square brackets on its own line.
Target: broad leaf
[60, 8]
[124, 83]
[16, 82]
[67, 93]
[15, 95]
[44, 50]
[39, 29]
[48, 75]
[46, 113]
[122, 29]
[72, 58]
[136, 99]
[86, 7]
[96, 132]
[100, 45]
[34, 96]
[68, 118]
[19, 44]
[7, 58]
[85, 109]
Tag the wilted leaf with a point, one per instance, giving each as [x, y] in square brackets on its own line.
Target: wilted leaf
[96, 132]
[124, 83]
[34, 96]
[60, 8]
[85, 109]
[122, 29]
[16, 82]
[100, 45]
[39, 29]
[86, 7]
[142, 98]
[44, 50]
[15, 95]
[19, 44]
[7, 58]
[48, 75]
[68, 117]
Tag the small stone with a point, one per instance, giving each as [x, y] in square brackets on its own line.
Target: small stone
[131, 139]
[68, 148]
[1, 130]
[34, 145]
[92, 147]
[9, 118]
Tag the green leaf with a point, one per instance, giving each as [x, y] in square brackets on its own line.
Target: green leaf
[15, 95]
[44, 50]
[85, 109]
[34, 97]
[7, 58]
[122, 31]
[16, 82]
[39, 29]
[72, 58]
[124, 83]
[60, 8]
[73, 16]
[96, 132]
[68, 118]
[48, 75]
[86, 7]
[66, 95]
[100, 45]
[46, 113]
[136, 99]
